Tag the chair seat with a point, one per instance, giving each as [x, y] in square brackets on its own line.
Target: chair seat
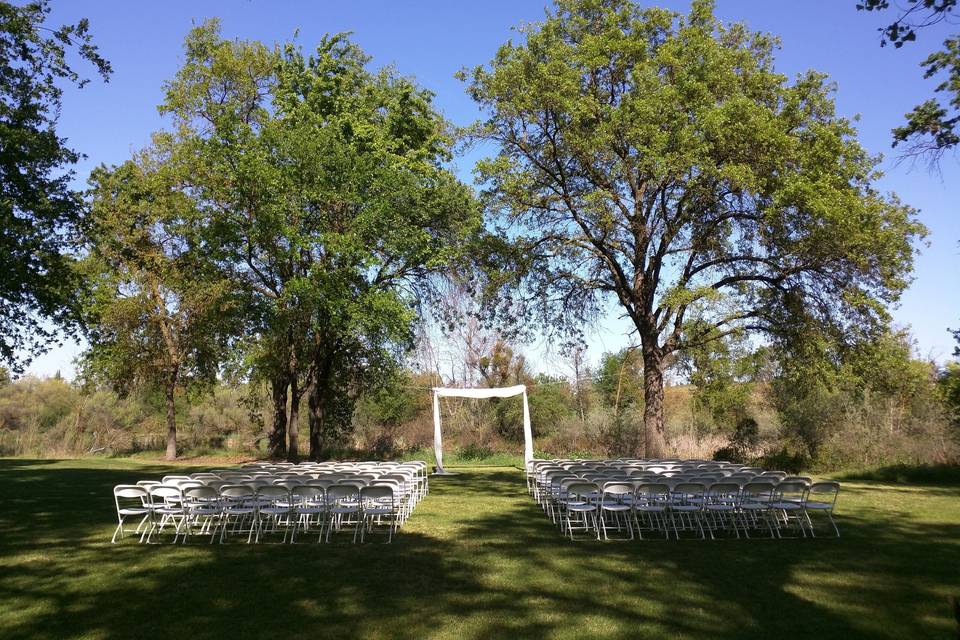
[351, 508]
[616, 507]
[240, 511]
[720, 507]
[310, 509]
[826, 506]
[379, 511]
[786, 506]
[135, 511]
[582, 507]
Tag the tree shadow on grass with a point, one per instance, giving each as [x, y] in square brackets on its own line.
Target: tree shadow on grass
[888, 576]
[478, 559]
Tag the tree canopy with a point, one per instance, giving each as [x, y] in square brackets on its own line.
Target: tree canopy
[39, 210]
[661, 160]
[933, 126]
[326, 201]
[158, 313]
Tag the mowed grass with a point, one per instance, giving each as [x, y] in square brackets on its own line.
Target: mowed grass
[477, 560]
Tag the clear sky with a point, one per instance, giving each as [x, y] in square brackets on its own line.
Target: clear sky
[431, 40]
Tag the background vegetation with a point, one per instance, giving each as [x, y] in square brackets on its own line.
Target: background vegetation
[876, 408]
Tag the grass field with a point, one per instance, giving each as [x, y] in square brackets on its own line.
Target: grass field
[476, 560]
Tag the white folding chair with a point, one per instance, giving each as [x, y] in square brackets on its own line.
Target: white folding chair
[822, 498]
[378, 507]
[130, 500]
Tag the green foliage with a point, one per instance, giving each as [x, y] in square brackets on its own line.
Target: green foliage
[861, 405]
[904, 474]
[39, 211]
[948, 385]
[326, 201]
[620, 379]
[719, 370]
[932, 127]
[549, 400]
[661, 160]
[743, 443]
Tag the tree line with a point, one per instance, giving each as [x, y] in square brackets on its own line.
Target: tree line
[297, 222]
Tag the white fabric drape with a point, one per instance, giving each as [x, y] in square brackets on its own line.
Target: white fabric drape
[501, 392]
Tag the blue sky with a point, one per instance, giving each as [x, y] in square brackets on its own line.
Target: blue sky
[431, 40]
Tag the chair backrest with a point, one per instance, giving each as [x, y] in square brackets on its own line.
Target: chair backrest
[723, 492]
[305, 493]
[165, 493]
[826, 491]
[582, 489]
[377, 492]
[774, 474]
[273, 491]
[617, 490]
[792, 491]
[758, 490]
[340, 492]
[129, 491]
[204, 494]
[688, 492]
[234, 491]
[653, 493]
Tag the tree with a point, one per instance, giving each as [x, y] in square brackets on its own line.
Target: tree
[720, 371]
[662, 161]
[157, 314]
[38, 209]
[620, 379]
[932, 127]
[329, 206]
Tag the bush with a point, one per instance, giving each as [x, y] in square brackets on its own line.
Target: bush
[785, 459]
[473, 452]
[909, 474]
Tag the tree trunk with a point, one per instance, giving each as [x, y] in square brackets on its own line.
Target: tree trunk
[316, 408]
[654, 441]
[293, 423]
[318, 401]
[171, 418]
[277, 439]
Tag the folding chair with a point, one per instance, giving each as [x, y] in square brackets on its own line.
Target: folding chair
[616, 501]
[378, 506]
[821, 497]
[202, 511]
[343, 507]
[581, 508]
[720, 507]
[130, 500]
[309, 509]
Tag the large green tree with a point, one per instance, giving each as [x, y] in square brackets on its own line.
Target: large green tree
[38, 208]
[660, 160]
[157, 314]
[329, 205]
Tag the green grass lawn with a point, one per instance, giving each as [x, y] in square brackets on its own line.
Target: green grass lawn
[477, 560]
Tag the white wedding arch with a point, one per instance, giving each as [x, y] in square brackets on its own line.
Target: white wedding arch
[501, 392]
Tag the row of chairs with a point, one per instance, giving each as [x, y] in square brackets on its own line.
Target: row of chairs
[262, 501]
[595, 498]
